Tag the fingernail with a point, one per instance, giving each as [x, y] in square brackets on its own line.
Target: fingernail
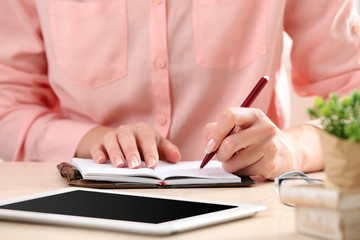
[151, 162]
[119, 162]
[99, 158]
[134, 162]
[210, 146]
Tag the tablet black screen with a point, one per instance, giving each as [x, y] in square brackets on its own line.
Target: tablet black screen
[116, 206]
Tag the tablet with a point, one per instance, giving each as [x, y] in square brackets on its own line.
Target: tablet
[121, 211]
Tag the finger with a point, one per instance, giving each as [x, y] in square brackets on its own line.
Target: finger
[168, 151]
[266, 165]
[242, 139]
[129, 147]
[208, 128]
[230, 118]
[243, 158]
[146, 138]
[113, 150]
[219, 132]
[98, 153]
[264, 168]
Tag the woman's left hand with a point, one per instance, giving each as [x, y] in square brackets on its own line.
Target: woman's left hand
[256, 146]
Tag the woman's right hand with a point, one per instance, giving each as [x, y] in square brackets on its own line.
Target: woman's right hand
[127, 144]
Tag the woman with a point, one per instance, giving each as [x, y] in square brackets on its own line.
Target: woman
[133, 80]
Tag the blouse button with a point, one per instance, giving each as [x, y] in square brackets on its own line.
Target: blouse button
[356, 29]
[162, 120]
[160, 63]
[158, 2]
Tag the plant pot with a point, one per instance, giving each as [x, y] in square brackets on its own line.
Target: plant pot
[342, 162]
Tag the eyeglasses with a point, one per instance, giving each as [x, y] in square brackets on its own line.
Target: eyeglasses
[293, 178]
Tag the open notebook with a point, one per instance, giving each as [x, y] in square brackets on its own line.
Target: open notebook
[165, 174]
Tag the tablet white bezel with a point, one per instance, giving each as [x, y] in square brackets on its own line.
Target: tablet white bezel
[166, 228]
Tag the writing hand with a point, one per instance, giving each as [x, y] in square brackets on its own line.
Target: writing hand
[256, 146]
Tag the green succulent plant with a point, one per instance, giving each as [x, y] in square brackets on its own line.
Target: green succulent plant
[339, 116]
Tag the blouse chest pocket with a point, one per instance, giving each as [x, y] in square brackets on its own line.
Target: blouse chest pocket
[90, 40]
[229, 34]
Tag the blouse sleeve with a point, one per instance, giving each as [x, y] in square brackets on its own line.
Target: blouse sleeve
[31, 125]
[325, 55]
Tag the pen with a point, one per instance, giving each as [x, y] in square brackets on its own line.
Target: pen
[248, 101]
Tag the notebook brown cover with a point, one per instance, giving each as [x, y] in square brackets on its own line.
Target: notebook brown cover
[74, 178]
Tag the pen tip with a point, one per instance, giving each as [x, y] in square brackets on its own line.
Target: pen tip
[267, 78]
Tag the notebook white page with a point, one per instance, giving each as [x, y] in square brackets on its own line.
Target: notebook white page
[212, 173]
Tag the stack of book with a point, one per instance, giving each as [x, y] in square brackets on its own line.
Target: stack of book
[325, 212]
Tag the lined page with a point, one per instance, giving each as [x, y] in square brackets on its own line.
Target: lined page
[91, 170]
[88, 167]
[192, 169]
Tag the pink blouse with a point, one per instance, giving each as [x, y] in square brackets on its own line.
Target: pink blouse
[69, 65]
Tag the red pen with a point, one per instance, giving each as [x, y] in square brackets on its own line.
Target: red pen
[248, 101]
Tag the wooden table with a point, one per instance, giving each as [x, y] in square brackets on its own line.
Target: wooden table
[277, 222]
